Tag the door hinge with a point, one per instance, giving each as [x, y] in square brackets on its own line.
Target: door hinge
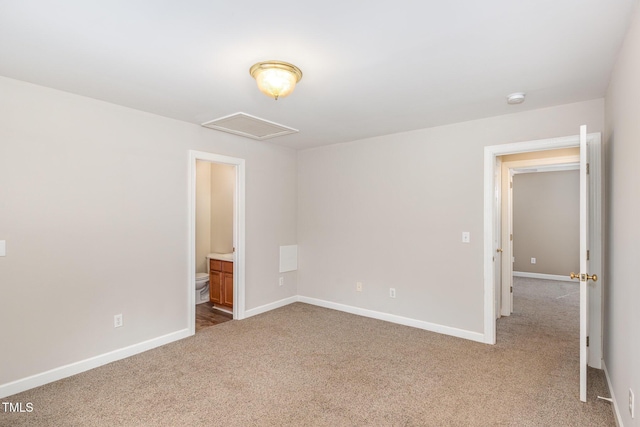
[512, 289]
[587, 168]
[587, 341]
[511, 236]
[511, 184]
[587, 255]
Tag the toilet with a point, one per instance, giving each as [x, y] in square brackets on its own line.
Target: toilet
[202, 287]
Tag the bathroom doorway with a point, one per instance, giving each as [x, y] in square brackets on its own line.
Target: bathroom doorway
[216, 239]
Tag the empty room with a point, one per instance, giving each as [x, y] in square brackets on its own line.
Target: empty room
[291, 214]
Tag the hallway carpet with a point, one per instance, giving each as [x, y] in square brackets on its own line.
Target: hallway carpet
[302, 365]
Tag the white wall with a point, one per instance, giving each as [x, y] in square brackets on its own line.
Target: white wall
[622, 293]
[93, 206]
[215, 188]
[223, 184]
[203, 214]
[546, 222]
[389, 212]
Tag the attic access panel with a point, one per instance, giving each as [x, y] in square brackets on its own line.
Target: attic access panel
[249, 126]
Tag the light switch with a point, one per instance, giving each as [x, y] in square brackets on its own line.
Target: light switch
[3, 248]
[466, 237]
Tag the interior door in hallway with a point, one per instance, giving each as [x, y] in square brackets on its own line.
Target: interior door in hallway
[584, 275]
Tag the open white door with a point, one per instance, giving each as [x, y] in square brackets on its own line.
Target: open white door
[584, 275]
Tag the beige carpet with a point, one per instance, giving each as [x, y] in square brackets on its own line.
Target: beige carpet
[307, 366]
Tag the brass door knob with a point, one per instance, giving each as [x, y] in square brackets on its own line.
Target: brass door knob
[584, 277]
[499, 250]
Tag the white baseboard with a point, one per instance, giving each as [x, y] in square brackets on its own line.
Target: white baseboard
[542, 276]
[420, 324]
[65, 371]
[270, 306]
[616, 409]
[56, 374]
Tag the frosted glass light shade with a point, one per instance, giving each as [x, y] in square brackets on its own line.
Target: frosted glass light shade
[276, 79]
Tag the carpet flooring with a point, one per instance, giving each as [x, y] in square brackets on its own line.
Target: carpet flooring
[302, 365]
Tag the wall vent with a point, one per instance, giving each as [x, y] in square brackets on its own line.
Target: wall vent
[249, 126]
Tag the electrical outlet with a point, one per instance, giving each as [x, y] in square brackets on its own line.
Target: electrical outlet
[392, 292]
[533, 260]
[281, 281]
[359, 286]
[117, 320]
[631, 404]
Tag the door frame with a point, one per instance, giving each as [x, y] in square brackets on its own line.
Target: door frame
[498, 223]
[238, 234]
[596, 210]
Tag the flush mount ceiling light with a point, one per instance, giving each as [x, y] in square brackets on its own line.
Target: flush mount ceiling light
[276, 79]
[515, 98]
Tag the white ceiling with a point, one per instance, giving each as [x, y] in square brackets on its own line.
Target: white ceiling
[370, 68]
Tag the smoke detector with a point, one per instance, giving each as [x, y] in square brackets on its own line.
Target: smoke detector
[515, 98]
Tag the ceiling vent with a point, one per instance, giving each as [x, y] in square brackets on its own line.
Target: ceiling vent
[249, 126]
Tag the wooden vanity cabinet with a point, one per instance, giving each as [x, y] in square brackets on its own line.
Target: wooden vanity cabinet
[221, 282]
